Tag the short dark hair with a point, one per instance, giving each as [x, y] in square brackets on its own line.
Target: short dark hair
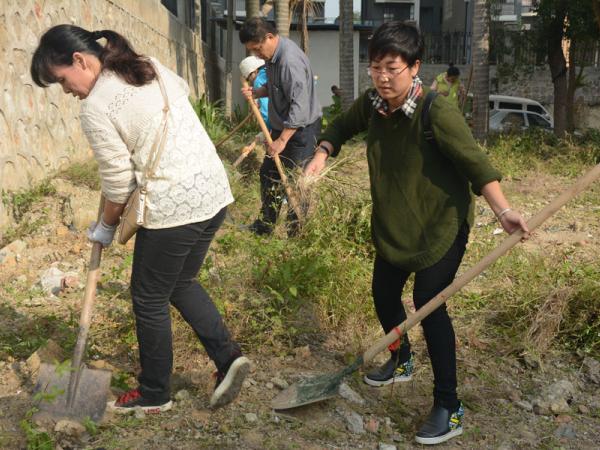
[396, 38]
[452, 71]
[255, 30]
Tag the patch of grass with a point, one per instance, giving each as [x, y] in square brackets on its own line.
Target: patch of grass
[36, 439]
[83, 174]
[20, 202]
[534, 283]
[24, 337]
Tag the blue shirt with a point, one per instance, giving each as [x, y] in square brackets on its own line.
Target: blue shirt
[263, 102]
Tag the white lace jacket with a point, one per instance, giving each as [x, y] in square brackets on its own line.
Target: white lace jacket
[120, 122]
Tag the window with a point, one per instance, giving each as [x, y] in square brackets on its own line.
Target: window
[186, 14]
[171, 5]
[537, 121]
[491, 106]
[509, 105]
[513, 121]
[536, 109]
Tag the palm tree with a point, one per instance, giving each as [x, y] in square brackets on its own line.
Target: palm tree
[481, 70]
[304, 9]
[304, 4]
[282, 17]
[346, 69]
[252, 8]
[229, 59]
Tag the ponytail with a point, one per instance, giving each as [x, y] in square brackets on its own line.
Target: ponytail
[118, 56]
[58, 44]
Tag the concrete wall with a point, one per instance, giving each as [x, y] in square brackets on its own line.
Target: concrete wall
[39, 128]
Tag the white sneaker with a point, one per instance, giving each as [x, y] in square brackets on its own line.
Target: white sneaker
[229, 385]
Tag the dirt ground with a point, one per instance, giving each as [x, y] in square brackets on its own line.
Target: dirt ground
[504, 393]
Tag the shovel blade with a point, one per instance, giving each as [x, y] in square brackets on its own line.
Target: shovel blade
[314, 389]
[310, 390]
[90, 397]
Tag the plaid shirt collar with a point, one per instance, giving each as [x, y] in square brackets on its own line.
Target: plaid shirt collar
[409, 105]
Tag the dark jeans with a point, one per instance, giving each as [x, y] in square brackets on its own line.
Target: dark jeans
[388, 283]
[298, 151]
[165, 269]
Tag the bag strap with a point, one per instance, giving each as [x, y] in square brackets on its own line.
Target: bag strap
[426, 118]
[161, 134]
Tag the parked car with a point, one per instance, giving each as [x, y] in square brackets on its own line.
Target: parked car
[507, 102]
[510, 120]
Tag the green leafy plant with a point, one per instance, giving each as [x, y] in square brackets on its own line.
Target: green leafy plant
[211, 116]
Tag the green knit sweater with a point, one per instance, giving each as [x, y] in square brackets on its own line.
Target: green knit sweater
[421, 194]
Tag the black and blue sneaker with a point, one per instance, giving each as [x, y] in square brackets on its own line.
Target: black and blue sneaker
[392, 371]
[441, 425]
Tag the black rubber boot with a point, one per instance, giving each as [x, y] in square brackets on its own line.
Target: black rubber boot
[392, 371]
[441, 424]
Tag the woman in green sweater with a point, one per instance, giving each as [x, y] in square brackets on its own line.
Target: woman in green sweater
[422, 207]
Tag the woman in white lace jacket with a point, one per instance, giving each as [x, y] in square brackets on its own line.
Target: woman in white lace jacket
[121, 111]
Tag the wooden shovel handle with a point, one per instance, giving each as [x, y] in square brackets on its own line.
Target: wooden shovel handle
[235, 129]
[288, 190]
[580, 185]
[245, 152]
[86, 313]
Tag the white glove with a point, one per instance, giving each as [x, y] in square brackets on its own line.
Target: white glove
[101, 232]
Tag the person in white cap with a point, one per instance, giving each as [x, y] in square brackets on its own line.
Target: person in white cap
[253, 70]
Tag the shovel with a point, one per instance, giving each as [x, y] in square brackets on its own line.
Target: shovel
[288, 190]
[77, 392]
[245, 152]
[321, 387]
[233, 131]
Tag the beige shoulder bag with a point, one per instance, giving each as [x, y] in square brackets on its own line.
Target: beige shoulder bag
[134, 213]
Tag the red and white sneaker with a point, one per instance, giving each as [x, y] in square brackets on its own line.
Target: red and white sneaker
[133, 399]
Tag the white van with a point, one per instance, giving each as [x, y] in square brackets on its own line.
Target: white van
[502, 102]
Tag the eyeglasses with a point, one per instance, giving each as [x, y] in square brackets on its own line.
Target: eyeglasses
[388, 73]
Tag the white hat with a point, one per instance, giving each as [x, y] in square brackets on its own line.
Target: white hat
[250, 64]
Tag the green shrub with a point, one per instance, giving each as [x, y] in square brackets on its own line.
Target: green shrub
[211, 116]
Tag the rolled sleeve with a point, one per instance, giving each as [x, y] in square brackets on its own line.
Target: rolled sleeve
[117, 172]
[456, 142]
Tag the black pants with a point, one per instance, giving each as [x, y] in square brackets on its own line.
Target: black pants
[388, 283]
[298, 151]
[165, 269]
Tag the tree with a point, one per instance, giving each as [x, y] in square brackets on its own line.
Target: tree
[565, 28]
[302, 7]
[346, 69]
[229, 59]
[596, 7]
[252, 8]
[282, 17]
[481, 70]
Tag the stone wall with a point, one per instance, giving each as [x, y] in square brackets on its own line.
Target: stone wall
[39, 128]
